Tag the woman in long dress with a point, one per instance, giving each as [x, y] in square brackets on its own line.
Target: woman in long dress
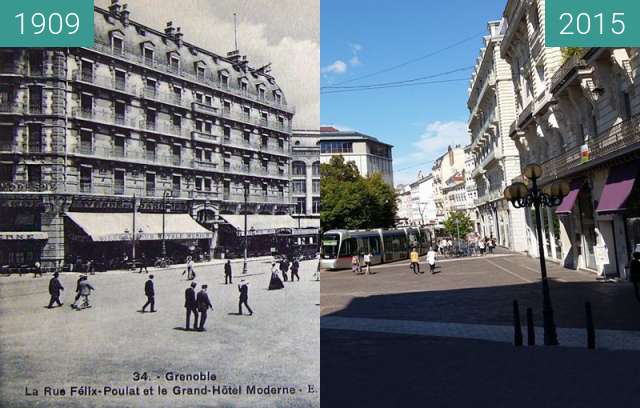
[275, 282]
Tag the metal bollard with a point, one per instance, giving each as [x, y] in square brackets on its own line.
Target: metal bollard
[591, 332]
[517, 330]
[531, 333]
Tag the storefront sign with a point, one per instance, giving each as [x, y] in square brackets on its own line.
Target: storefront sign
[23, 235]
[102, 204]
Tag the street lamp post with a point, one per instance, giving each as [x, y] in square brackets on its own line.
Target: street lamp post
[523, 197]
[458, 234]
[246, 242]
[165, 195]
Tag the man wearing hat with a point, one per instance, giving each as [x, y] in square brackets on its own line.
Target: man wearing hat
[227, 272]
[150, 293]
[191, 305]
[204, 304]
[243, 287]
[54, 290]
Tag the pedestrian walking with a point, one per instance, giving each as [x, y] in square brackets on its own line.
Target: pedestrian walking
[431, 260]
[143, 264]
[295, 266]
[84, 291]
[54, 290]
[227, 272]
[191, 273]
[284, 267]
[355, 264]
[150, 294]
[37, 270]
[77, 291]
[415, 261]
[204, 304]
[191, 305]
[367, 262]
[481, 246]
[243, 287]
[275, 282]
[634, 274]
[491, 244]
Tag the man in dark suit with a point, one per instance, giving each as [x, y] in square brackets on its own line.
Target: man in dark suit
[54, 290]
[227, 272]
[204, 304]
[243, 287]
[295, 265]
[150, 293]
[191, 305]
[143, 264]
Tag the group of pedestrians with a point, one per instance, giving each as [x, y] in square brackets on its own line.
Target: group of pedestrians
[414, 257]
[361, 265]
[197, 304]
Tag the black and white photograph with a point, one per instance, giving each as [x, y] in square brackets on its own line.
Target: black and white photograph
[159, 210]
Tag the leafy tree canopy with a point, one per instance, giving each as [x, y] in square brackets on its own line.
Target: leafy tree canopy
[351, 201]
[461, 228]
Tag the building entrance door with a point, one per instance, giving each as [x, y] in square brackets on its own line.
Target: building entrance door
[588, 227]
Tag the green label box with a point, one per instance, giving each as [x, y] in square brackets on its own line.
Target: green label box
[46, 23]
[592, 23]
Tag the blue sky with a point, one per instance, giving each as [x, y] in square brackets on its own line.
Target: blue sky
[361, 37]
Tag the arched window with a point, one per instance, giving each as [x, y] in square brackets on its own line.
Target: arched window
[298, 168]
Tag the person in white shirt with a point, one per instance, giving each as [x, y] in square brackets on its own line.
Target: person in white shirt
[431, 260]
[367, 262]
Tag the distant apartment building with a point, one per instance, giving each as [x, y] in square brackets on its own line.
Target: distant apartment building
[143, 122]
[448, 182]
[495, 157]
[368, 153]
[403, 202]
[423, 205]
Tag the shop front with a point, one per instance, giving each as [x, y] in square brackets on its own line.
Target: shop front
[109, 238]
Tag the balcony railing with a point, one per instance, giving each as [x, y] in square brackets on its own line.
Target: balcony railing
[570, 67]
[103, 115]
[208, 79]
[204, 137]
[166, 97]
[255, 198]
[103, 81]
[617, 138]
[164, 127]
[11, 108]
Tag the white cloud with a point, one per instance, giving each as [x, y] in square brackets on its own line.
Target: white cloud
[355, 58]
[338, 67]
[438, 136]
[433, 143]
[292, 48]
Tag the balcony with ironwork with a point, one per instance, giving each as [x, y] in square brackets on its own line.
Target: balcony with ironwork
[103, 81]
[104, 116]
[569, 70]
[163, 127]
[202, 137]
[163, 97]
[620, 139]
[492, 156]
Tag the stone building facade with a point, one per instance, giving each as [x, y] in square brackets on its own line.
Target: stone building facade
[143, 113]
[305, 174]
[577, 115]
[496, 160]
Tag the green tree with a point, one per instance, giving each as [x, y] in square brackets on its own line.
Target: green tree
[351, 201]
[568, 52]
[458, 223]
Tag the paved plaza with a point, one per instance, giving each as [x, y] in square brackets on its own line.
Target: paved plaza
[278, 347]
[444, 338]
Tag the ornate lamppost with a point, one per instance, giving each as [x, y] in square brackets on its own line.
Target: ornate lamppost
[522, 196]
[166, 194]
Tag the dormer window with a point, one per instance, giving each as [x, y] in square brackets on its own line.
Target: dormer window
[243, 86]
[117, 45]
[200, 72]
[260, 92]
[277, 97]
[174, 63]
[148, 54]
[223, 77]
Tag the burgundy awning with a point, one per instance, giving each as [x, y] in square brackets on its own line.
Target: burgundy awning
[567, 203]
[619, 185]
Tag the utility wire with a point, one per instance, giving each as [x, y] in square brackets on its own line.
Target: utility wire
[336, 91]
[331, 87]
[414, 60]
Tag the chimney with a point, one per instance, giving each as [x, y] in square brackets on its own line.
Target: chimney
[124, 16]
[114, 8]
[178, 37]
[234, 56]
[169, 29]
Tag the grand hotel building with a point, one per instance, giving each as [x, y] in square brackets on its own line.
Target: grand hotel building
[144, 121]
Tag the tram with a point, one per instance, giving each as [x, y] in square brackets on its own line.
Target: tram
[339, 246]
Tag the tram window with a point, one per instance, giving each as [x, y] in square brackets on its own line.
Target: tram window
[348, 247]
[374, 245]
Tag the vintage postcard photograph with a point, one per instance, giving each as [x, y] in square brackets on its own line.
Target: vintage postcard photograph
[159, 205]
